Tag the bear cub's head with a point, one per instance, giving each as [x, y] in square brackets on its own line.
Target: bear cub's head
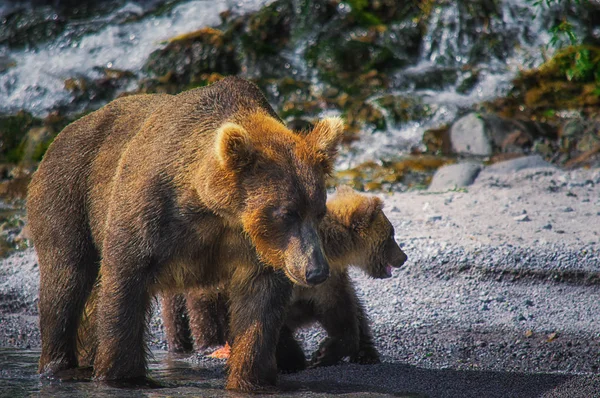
[372, 246]
[276, 187]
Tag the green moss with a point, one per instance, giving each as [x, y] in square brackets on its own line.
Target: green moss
[402, 109]
[13, 129]
[409, 171]
[359, 10]
[267, 31]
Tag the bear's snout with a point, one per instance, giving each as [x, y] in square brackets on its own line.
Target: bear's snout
[317, 270]
[305, 259]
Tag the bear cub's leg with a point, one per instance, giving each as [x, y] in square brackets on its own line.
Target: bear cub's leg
[176, 323]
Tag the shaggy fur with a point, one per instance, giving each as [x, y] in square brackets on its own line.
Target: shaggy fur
[164, 193]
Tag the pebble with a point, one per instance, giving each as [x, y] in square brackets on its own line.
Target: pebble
[434, 217]
[522, 217]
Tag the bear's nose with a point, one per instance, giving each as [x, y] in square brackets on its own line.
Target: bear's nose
[401, 259]
[317, 275]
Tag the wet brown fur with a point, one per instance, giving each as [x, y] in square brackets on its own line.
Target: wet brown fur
[152, 191]
[355, 231]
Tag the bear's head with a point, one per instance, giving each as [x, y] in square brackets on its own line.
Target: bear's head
[372, 246]
[275, 186]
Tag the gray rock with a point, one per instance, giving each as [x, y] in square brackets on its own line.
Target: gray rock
[522, 217]
[468, 136]
[434, 218]
[454, 176]
[514, 165]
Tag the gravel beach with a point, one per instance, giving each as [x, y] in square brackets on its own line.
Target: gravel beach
[498, 297]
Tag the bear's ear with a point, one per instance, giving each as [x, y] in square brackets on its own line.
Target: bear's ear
[325, 138]
[345, 191]
[365, 212]
[234, 148]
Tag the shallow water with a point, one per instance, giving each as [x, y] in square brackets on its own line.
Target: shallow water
[19, 378]
[177, 376]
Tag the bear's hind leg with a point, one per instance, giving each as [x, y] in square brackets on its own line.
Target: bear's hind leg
[123, 307]
[205, 313]
[66, 280]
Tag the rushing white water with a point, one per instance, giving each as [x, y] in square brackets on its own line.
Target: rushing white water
[445, 43]
[37, 81]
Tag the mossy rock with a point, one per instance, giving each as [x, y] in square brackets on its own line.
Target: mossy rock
[402, 109]
[267, 31]
[342, 57]
[541, 94]
[410, 171]
[91, 93]
[13, 129]
[30, 26]
[364, 36]
[186, 59]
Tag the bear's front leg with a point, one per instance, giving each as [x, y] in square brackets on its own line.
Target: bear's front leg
[367, 353]
[123, 306]
[258, 302]
[338, 311]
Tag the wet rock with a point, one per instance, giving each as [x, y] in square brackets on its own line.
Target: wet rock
[6, 63]
[409, 171]
[514, 165]
[468, 136]
[189, 60]
[454, 176]
[91, 93]
[401, 109]
[437, 140]
[357, 41]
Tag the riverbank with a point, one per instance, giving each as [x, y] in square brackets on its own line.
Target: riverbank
[503, 276]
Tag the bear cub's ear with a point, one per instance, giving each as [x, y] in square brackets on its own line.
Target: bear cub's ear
[325, 138]
[353, 210]
[365, 212]
[234, 148]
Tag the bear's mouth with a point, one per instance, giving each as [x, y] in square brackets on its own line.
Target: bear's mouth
[294, 279]
[388, 270]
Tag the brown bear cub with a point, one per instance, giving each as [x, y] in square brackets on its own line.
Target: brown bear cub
[169, 192]
[355, 231]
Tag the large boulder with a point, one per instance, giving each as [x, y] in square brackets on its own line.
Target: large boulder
[469, 136]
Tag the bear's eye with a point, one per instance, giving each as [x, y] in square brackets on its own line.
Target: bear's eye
[286, 214]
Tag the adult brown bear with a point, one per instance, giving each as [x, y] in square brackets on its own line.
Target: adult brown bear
[150, 191]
